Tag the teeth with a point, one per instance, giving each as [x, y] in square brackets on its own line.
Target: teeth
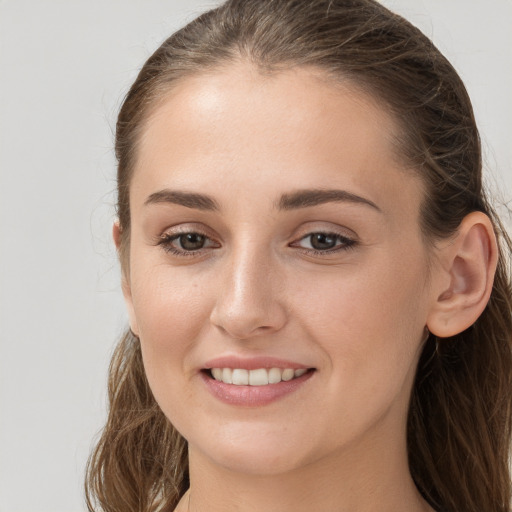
[259, 377]
[227, 375]
[288, 374]
[217, 373]
[240, 377]
[274, 376]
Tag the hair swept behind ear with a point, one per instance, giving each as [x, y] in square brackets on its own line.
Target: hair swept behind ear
[460, 417]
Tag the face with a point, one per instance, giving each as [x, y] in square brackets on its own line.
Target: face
[276, 243]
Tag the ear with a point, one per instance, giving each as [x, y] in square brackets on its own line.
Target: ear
[125, 280]
[464, 278]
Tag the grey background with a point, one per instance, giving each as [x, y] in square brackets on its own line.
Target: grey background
[64, 68]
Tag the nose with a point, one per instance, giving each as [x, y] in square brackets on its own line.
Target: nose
[248, 300]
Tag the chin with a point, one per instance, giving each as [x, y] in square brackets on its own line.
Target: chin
[256, 462]
[266, 454]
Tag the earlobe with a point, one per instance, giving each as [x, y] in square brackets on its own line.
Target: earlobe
[125, 281]
[468, 264]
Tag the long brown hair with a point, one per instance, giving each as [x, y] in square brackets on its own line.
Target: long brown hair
[459, 423]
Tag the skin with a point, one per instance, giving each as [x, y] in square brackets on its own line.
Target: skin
[356, 315]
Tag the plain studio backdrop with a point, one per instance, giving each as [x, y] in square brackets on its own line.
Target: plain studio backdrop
[64, 69]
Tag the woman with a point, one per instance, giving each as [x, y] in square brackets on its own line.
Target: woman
[319, 302]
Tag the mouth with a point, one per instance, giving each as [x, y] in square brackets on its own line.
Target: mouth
[256, 377]
[254, 381]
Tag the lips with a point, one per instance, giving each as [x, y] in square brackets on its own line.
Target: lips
[255, 381]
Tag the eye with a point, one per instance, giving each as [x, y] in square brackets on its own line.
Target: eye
[190, 241]
[186, 244]
[324, 242]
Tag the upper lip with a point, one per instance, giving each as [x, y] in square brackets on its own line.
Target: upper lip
[252, 363]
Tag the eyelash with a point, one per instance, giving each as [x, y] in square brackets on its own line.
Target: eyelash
[343, 243]
[167, 239]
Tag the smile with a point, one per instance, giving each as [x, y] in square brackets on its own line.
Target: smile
[257, 377]
[254, 381]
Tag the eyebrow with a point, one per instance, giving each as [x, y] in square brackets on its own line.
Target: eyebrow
[291, 201]
[187, 199]
[314, 197]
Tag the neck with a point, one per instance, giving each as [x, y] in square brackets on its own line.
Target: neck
[353, 481]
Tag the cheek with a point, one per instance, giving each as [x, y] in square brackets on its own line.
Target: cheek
[171, 308]
[365, 297]
[171, 312]
[369, 321]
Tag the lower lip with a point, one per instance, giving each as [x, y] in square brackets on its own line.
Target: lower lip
[253, 396]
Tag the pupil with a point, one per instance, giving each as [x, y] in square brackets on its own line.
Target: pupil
[322, 241]
[192, 241]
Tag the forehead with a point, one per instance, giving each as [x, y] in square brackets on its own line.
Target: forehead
[240, 127]
[295, 103]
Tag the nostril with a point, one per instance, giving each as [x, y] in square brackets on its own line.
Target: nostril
[248, 309]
